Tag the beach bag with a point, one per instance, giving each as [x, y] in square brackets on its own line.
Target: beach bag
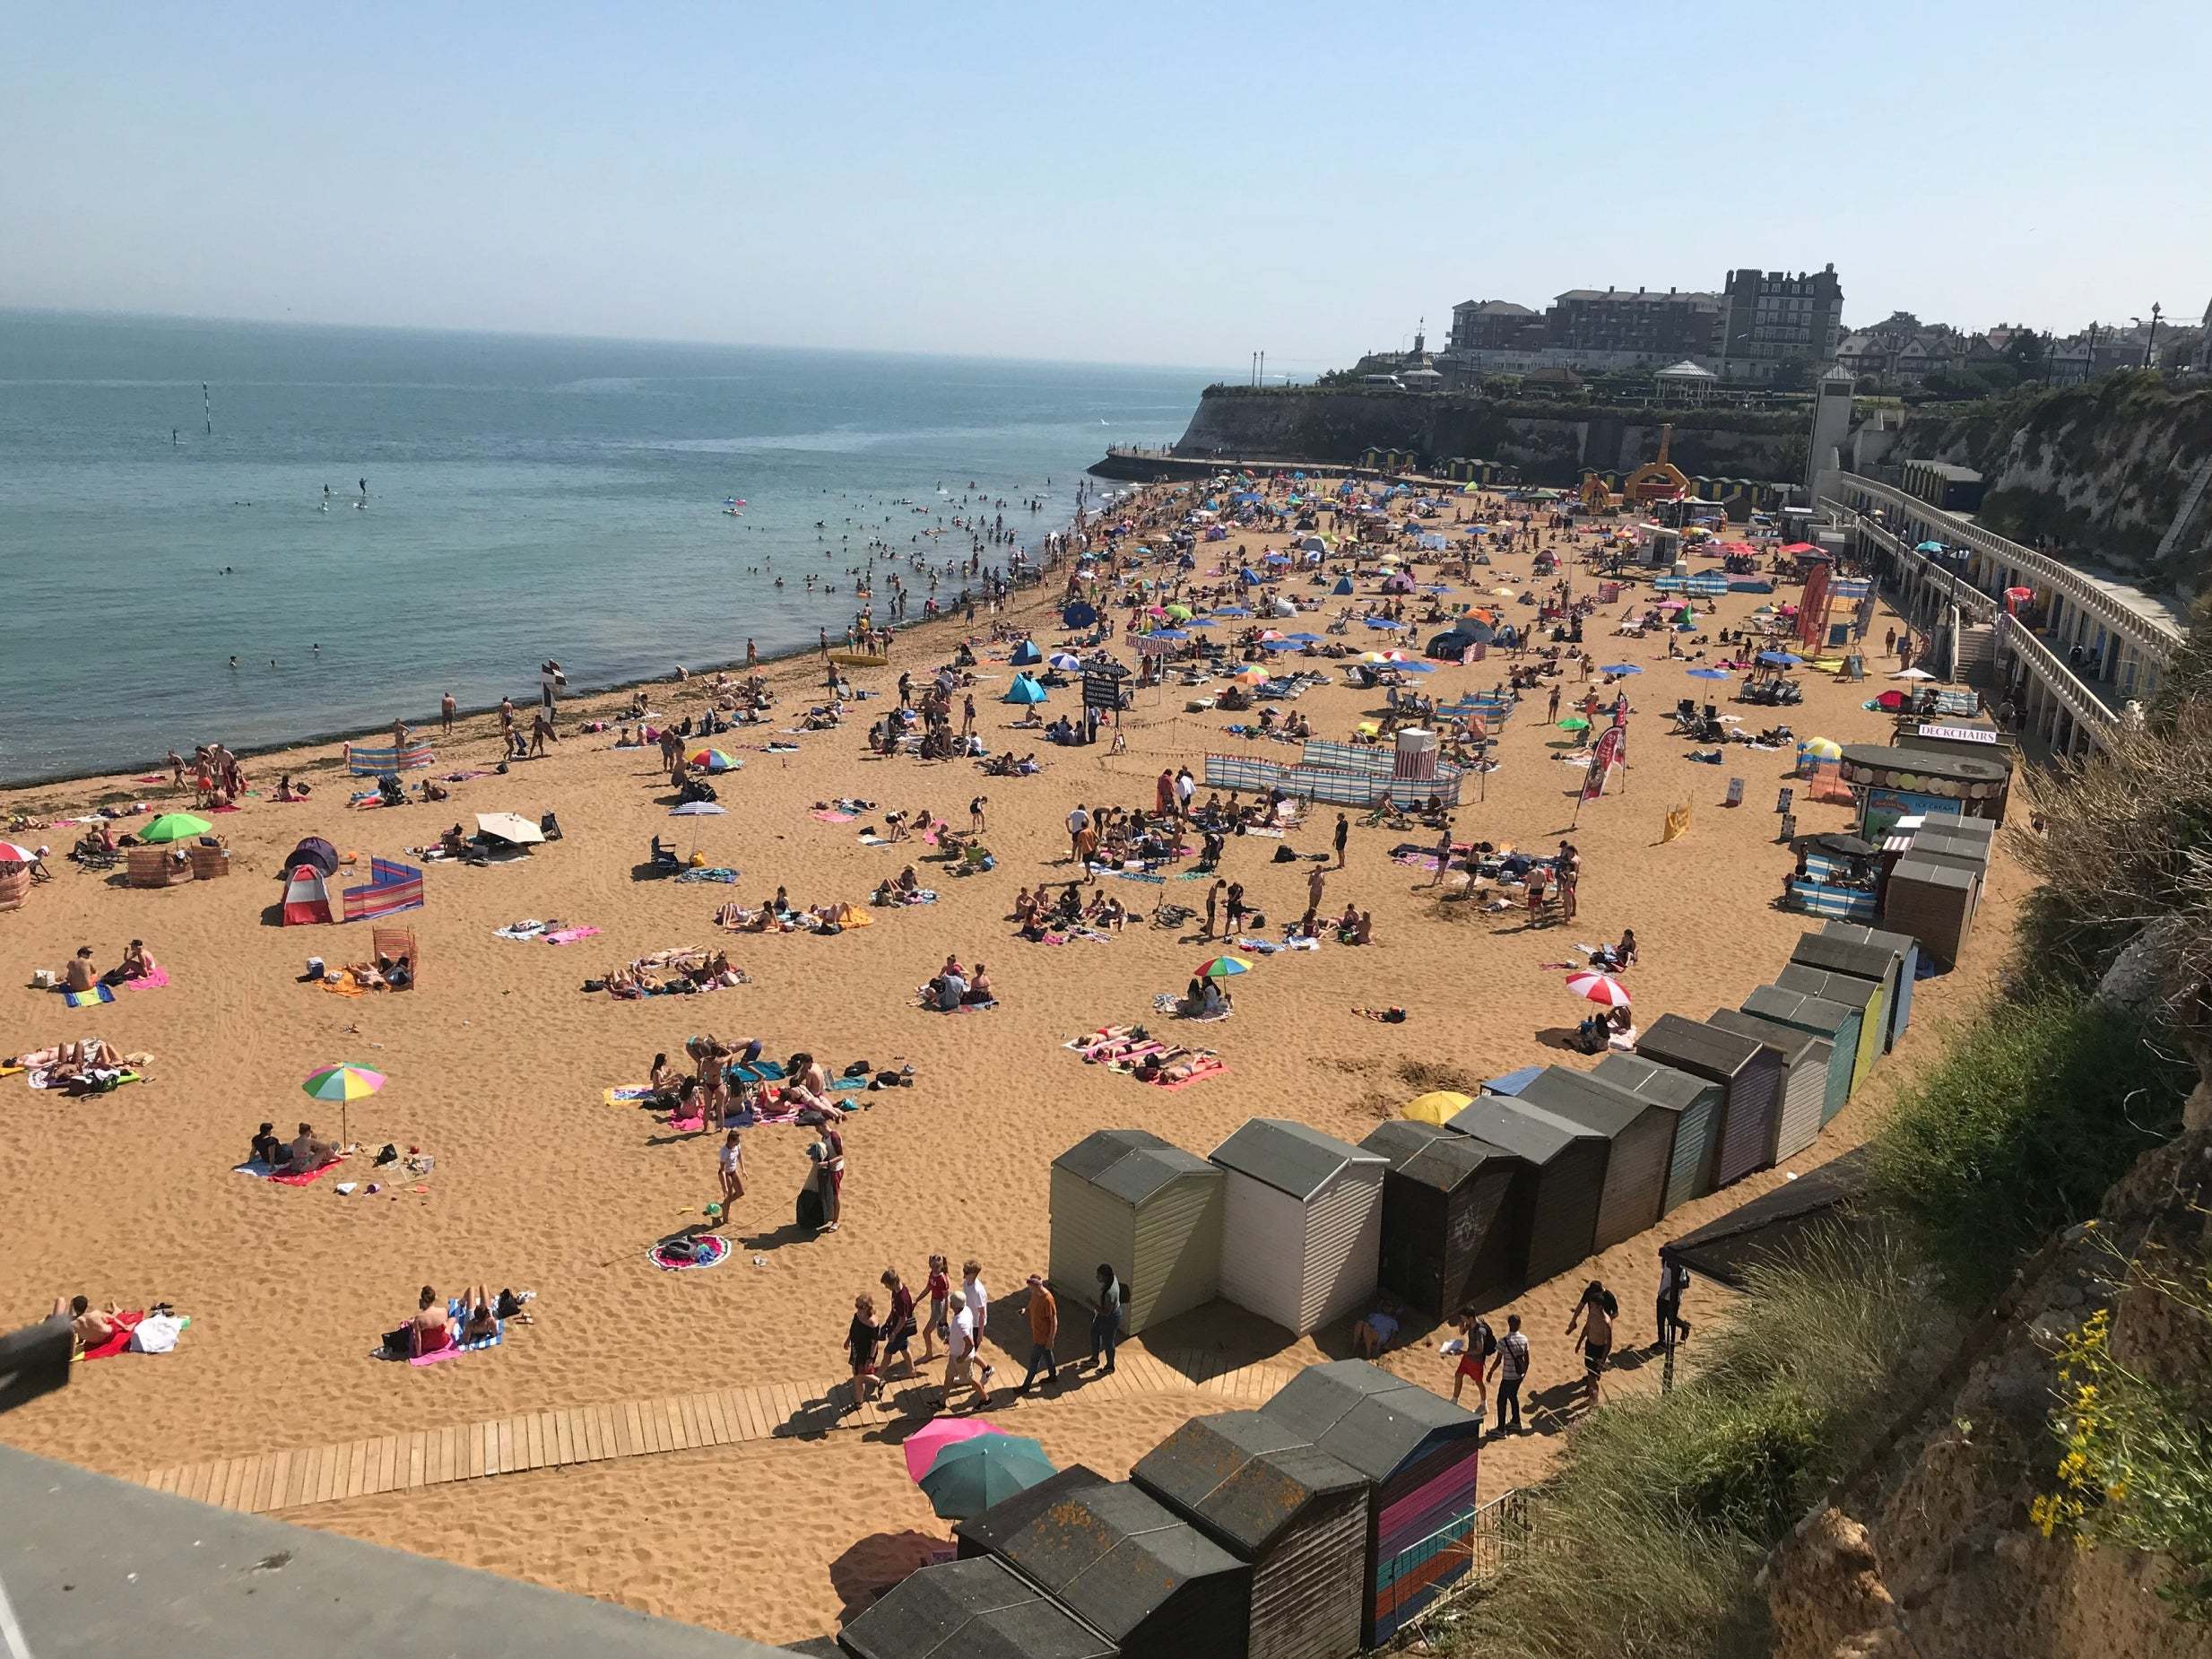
[859, 1068]
[399, 1344]
[810, 1211]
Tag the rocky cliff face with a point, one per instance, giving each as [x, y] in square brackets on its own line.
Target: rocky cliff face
[2103, 470]
[1549, 444]
[1942, 1561]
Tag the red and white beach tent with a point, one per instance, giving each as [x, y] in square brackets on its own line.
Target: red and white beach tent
[306, 898]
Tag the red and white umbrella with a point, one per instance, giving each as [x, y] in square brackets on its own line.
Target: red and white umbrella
[1602, 989]
[11, 853]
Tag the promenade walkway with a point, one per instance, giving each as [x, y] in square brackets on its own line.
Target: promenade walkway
[272, 1481]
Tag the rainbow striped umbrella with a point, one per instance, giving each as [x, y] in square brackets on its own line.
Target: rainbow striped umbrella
[715, 760]
[343, 1082]
[1222, 967]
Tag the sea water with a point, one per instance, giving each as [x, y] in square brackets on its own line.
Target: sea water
[526, 498]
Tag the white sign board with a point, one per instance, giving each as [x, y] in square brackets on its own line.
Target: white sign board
[1959, 734]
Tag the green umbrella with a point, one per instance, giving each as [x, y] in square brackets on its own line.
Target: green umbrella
[966, 1479]
[174, 827]
[1573, 723]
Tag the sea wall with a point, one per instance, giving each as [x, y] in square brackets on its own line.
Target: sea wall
[1550, 443]
[2103, 470]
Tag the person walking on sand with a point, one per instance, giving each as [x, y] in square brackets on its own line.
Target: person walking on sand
[1213, 902]
[1079, 825]
[1342, 838]
[1552, 713]
[961, 1370]
[1315, 882]
[975, 1297]
[1105, 1322]
[1594, 1313]
[938, 1287]
[967, 717]
[1674, 1283]
[507, 723]
[446, 709]
[1513, 1368]
[1044, 1313]
[1442, 854]
[1479, 1342]
[752, 654]
[898, 1323]
[1235, 910]
[730, 1164]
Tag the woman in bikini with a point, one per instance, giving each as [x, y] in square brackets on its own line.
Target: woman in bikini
[433, 1333]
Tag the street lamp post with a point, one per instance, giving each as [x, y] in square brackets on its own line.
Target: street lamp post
[2151, 340]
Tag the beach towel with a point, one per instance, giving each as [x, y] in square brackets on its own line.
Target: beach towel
[627, 1094]
[125, 1324]
[268, 1172]
[87, 999]
[341, 983]
[1208, 1066]
[1138, 875]
[456, 1347]
[569, 935]
[925, 896]
[832, 818]
[710, 874]
[847, 1083]
[41, 1078]
[712, 1249]
[153, 981]
[758, 1071]
[526, 930]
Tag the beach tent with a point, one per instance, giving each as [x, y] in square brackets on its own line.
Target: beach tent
[1774, 1228]
[1153, 1210]
[1453, 1217]
[1271, 1497]
[1420, 1455]
[1834, 1022]
[1024, 690]
[1806, 1060]
[1749, 1075]
[1123, 1562]
[1343, 586]
[1302, 1225]
[1903, 946]
[1695, 1102]
[1568, 1179]
[980, 1606]
[1865, 997]
[1641, 1142]
[390, 888]
[1935, 901]
[307, 896]
[1860, 961]
[1025, 654]
[313, 850]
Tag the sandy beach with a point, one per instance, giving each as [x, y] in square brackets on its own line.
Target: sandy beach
[497, 1063]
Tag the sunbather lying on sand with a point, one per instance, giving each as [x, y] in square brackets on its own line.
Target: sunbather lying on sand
[89, 1326]
[1172, 1065]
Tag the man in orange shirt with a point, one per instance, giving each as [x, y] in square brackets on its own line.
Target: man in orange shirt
[1044, 1332]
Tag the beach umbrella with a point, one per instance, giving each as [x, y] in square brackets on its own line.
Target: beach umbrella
[12, 854]
[921, 1447]
[1602, 989]
[1276, 645]
[342, 1083]
[1067, 662]
[1223, 966]
[1201, 622]
[698, 809]
[1438, 1107]
[174, 827]
[1178, 614]
[1708, 673]
[1573, 723]
[1673, 604]
[1619, 668]
[1267, 634]
[1412, 667]
[1231, 610]
[1925, 547]
[1159, 633]
[1903, 673]
[1822, 749]
[1304, 639]
[969, 1476]
[1078, 615]
[716, 760]
[511, 827]
[1780, 659]
[1251, 674]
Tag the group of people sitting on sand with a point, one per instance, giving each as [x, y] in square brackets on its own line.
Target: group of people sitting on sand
[80, 972]
[303, 1154]
[1036, 915]
[778, 915]
[954, 987]
[438, 1325]
[905, 888]
[88, 1065]
[1007, 766]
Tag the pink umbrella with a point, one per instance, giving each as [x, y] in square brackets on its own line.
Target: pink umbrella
[924, 1443]
[1602, 989]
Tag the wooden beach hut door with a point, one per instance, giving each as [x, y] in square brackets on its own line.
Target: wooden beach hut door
[1906, 949]
[1639, 1138]
[1818, 1017]
[1695, 1102]
[1805, 1075]
[1750, 1074]
[1860, 961]
[1862, 995]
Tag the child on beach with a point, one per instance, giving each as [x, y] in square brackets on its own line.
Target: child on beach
[939, 1287]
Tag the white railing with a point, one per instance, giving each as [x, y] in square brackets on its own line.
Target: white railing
[1963, 593]
[2085, 705]
[2157, 636]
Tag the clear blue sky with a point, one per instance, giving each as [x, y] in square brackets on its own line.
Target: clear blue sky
[1138, 182]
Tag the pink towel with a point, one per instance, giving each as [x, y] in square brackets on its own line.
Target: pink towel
[569, 935]
[153, 981]
[832, 818]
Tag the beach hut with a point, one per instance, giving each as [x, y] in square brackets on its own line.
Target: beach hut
[1865, 996]
[1567, 1180]
[1153, 1210]
[307, 896]
[1695, 1102]
[1936, 903]
[1906, 948]
[1420, 1455]
[1454, 1220]
[1822, 1018]
[1805, 1063]
[1641, 1142]
[1860, 961]
[1301, 1224]
[1749, 1073]
[1123, 1562]
[1272, 1499]
[964, 1608]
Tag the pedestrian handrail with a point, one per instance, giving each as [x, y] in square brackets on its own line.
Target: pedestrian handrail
[2083, 704]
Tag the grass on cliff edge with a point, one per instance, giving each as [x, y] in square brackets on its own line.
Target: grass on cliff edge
[2018, 1130]
[1648, 1537]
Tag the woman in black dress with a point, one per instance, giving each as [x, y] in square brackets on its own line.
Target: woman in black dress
[860, 1346]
